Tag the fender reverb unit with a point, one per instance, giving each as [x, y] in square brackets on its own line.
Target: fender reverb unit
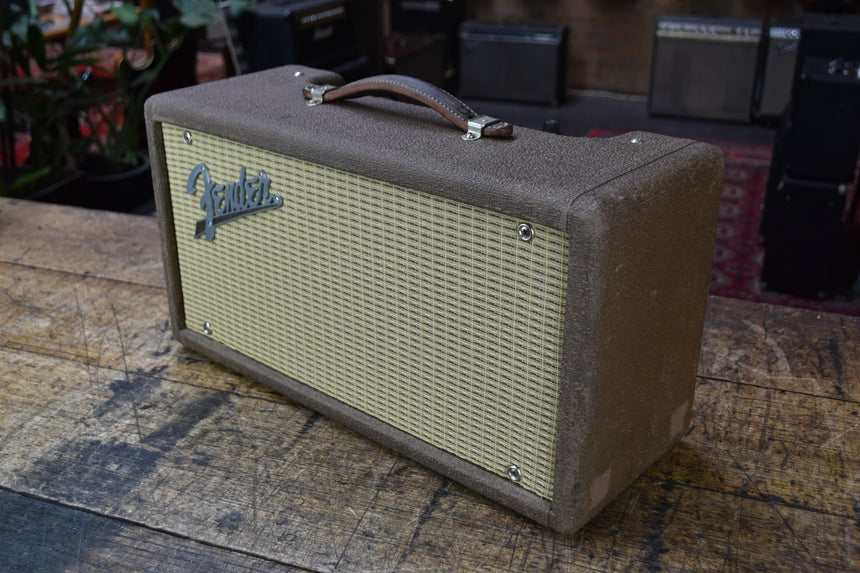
[518, 310]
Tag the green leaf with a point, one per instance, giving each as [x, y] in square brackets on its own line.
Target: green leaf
[197, 13]
[126, 14]
[25, 180]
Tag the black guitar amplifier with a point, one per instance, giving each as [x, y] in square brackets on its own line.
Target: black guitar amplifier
[513, 63]
[819, 133]
[829, 36]
[320, 33]
[822, 135]
[824, 131]
[815, 158]
[704, 67]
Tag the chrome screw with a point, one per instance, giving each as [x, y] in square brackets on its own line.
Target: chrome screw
[207, 329]
[514, 473]
[526, 232]
[186, 137]
[636, 140]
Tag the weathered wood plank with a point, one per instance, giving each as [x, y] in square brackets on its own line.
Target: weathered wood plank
[772, 445]
[37, 535]
[120, 335]
[750, 488]
[81, 241]
[103, 413]
[275, 480]
[778, 347]
[653, 525]
[250, 474]
[117, 325]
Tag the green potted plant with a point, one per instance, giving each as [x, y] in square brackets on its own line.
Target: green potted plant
[83, 111]
[39, 104]
[149, 40]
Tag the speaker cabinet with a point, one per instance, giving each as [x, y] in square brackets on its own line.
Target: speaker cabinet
[319, 33]
[803, 224]
[513, 63]
[704, 67]
[522, 315]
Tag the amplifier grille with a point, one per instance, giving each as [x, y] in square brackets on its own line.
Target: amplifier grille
[431, 315]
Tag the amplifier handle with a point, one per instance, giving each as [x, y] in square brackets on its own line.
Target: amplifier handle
[419, 91]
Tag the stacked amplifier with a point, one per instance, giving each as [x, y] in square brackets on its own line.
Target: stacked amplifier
[815, 158]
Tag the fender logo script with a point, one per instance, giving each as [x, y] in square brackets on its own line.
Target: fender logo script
[225, 202]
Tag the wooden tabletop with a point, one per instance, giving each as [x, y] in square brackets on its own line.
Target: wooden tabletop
[121, 451]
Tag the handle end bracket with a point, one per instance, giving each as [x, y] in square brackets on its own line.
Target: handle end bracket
[476, 127]
[315, 93]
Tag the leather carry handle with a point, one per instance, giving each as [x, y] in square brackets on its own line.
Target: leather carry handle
[454, 110]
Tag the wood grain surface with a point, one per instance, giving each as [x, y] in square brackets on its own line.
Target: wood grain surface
[121, 451]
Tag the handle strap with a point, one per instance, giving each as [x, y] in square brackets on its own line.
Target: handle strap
[454, 110]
